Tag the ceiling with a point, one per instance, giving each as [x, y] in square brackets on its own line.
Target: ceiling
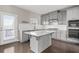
[42, 9]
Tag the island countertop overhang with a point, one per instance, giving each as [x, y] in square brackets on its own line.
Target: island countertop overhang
[39, 33]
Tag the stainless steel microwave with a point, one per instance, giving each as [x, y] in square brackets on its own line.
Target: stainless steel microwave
[73, 23]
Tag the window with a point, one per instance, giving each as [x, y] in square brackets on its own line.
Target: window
[8, 25]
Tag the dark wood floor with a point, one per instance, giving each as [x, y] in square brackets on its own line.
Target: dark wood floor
[57, 47]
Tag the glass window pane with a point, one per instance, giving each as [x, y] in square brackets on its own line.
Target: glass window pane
[9, 34]
[8, 26]
[8, 21]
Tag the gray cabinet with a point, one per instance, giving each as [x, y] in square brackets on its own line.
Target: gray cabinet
[45, 19]
[48, 18]
[54, 35]
[58, 34]
[25, 37]
[55, 16]
[61, 34]
[73, 13]
[62, 17]
[42, 19]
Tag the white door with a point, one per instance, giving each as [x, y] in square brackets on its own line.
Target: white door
[9, 28]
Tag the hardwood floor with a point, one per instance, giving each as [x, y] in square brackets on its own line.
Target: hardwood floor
[62, 47]
[57, 47]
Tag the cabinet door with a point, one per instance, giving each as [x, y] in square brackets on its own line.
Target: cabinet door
[45, 19]
[53, 15]
[58, 34]
[63, 35]
[73, 13]
[42, 19]
[62, 17]
[54, 35]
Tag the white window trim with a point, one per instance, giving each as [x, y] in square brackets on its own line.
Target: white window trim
[16, 26]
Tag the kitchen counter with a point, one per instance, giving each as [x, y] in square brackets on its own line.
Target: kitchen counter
[24, 37]
[73, 27]
[25, 28]
[40, 40]
[39, 33]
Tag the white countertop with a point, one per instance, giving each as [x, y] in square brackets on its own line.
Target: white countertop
[39, 33]
[60, 27]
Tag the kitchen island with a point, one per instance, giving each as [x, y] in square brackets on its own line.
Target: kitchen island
[40, 40]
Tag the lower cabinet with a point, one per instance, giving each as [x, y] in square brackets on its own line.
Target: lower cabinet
[61, 34]
[23, 37]
[0, 37]
[58, 34]
[54, 35]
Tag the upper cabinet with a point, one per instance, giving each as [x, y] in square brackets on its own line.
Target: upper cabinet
[45, 19]
[62, 17]
[73, 13]
[49, 18]
[53, 15]
[54, 18]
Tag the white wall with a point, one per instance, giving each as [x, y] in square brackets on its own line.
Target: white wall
[22, 14]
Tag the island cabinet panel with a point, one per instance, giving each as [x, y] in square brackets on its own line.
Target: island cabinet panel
[34, 44]
[73, 13]
[39, 44]
[44, 42]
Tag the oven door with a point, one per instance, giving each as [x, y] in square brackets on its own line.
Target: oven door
[73, 33]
